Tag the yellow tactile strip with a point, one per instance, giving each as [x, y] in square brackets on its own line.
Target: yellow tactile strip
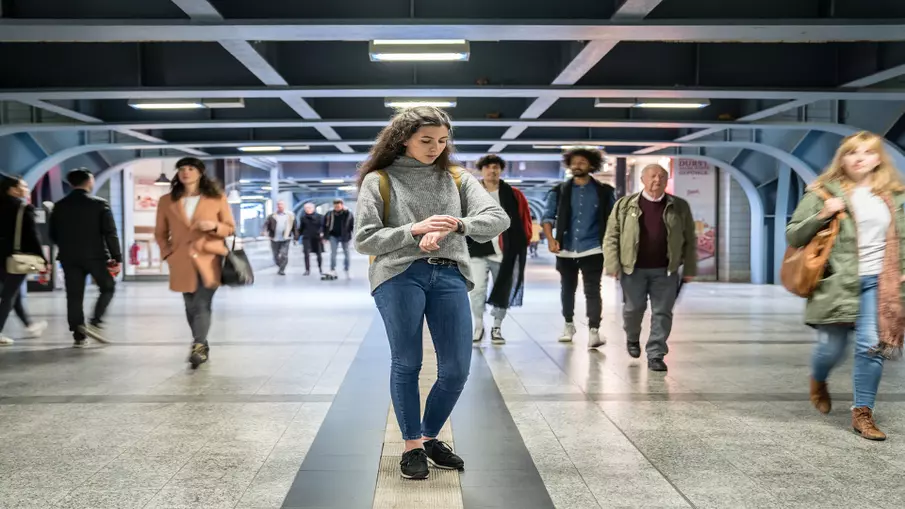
[442, 489]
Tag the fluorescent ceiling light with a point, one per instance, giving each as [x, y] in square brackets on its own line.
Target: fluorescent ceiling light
[412, 103]
[513, 181]
[673, 103]
[614, 103]
[254, 198]
[333, 181]
[167, 104]
[296, 147]
[347, 188]
[410, 42]
[266, 188]
[566, 147]
[224, 103]
[414, 51]
[261, 148]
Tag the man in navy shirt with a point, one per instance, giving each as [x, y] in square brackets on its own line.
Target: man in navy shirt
[579, 209]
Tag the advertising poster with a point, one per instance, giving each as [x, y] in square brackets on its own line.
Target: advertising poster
[147, 194]
[696, 182]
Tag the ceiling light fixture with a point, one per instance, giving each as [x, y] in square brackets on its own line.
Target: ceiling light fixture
[513, 181]
[333, 181]
[233, 197]
[438, 50]
[225, 102]
[261, 148]
[614, 103]
[346, 188]
[162, 180]
[566, 147]
[254, 198]
[166, 104]
[296, 147]
[413, 103]
[672, 103]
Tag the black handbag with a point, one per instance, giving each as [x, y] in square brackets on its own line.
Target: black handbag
[236, 269]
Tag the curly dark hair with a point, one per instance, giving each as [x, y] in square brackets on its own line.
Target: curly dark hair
[390, 143]
[594, 157]
[208, 186]
[490, 159]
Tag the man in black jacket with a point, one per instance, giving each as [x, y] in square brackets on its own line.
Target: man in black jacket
[338, 227]
[311, 236]
[83, 228]
[579, 209]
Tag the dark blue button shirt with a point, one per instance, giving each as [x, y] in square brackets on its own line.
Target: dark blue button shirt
[584, 227]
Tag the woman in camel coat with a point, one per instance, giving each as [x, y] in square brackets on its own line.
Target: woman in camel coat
[192, 223]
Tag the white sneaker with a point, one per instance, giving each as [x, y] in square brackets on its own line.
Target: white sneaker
[595, 340]
[5, 341]
[35, 330]
[567, 333]
[478, 335]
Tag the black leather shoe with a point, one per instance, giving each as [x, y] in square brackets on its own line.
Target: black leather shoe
[657, 365]
[634, 349]
[414, 465]
[441, 455]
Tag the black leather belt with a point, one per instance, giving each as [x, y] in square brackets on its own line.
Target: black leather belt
[446, 262]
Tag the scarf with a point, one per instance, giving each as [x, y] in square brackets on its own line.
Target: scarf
[890, 322]
[508, 287]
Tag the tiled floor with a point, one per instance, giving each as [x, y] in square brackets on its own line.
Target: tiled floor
[128, 426]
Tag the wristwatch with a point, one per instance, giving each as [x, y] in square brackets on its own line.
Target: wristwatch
[460, 229]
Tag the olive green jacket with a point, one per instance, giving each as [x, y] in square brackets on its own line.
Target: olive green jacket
[623, 233]
[837, 297]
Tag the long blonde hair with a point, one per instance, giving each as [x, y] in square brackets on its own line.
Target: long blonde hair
[885, 176]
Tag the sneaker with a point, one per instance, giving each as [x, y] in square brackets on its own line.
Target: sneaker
[496, 336]
[5, 341]
[567, 333]
[595, 340]
[94, 331]
[414, 464]
[634, 349]
[79, 343]
[199, 355]
[35, 330]
[441, 455]
[307, 272]
[657, 365]
[478, 335]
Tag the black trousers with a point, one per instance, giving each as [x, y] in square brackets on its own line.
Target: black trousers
[316, 246]
[198, 309]
[9, 296]
[76, 272]
[591, 269]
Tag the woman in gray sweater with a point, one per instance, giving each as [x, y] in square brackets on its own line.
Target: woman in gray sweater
[414, 211]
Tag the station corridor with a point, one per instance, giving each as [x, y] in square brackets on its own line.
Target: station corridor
[293, 409]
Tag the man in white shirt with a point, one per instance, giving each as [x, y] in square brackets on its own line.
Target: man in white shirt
[280, 228]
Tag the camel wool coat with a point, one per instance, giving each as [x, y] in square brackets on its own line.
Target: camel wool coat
[190, 252]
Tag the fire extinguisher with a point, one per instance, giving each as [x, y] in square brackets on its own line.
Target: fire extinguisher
[133, 254]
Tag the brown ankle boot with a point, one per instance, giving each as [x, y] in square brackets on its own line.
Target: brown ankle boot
[820, 397]
[863, 423]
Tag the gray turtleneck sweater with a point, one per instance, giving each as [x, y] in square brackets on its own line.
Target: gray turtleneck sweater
[418, 191]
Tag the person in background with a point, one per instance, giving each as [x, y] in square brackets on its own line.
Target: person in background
[192, 222]
[311, 235]
[535, 238]
[83, 228]
[649, 237]
[579, 209]
[13, 193]
[861, 288]
[280, 227]
[503, 257]
[421, 270]
[338, 226]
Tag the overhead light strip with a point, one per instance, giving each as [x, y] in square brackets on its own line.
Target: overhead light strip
[412, 103]
[261, 148]
[186, 104]
[415, 51]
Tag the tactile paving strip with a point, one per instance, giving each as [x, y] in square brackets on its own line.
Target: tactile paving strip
[442, 489]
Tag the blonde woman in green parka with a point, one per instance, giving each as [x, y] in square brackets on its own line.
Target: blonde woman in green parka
[861, 287]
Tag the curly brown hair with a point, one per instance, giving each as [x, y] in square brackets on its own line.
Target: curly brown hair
[208, 186]
[390, 143]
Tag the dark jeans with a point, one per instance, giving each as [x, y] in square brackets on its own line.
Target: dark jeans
[335, 242]
[198, 311]
[9, 296]
[439, 294]
[662, 289]
[76, 273]
[280, 250]
[315, 245]
[591, 268]
[19, 306]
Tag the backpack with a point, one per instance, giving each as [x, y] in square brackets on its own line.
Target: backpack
[384, 188]
[803, 268]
